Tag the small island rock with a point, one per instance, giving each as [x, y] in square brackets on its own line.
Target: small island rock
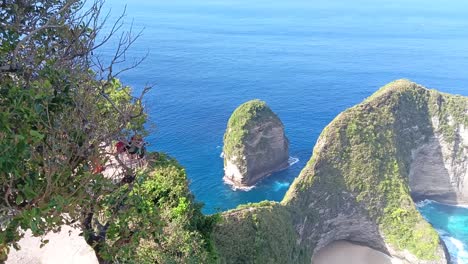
[255, 144]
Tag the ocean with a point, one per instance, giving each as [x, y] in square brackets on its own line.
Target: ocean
[452, 224]
[309, 60]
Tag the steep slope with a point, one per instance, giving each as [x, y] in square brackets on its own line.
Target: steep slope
[365, 166]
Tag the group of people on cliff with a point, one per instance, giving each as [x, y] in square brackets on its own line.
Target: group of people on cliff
[127, 150]
[133, 148]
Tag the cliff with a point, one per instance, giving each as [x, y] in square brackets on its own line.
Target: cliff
[255, 144]
[151, 219]
[358, 185]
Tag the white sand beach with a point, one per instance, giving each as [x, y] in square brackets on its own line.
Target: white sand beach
[343, 252]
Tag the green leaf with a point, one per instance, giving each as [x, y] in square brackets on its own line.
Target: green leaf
[35, 134]
[19, 199]
[29, 192]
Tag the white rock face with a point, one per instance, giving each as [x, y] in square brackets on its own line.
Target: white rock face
[65, 246]
[232, 174]
[266, 150]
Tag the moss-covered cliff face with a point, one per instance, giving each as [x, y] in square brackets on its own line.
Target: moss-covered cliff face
[365, 167]
[255, 144]
[257, 233]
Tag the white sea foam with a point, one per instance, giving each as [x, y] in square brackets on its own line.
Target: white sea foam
[221, 155]
[427, 201]
[461, 205]
[233, 186]
[280, 185]
[456, 248]
[443, 233]
[292, 161]
[423, 203]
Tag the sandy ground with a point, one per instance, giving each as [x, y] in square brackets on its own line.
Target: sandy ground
[343, 252]
[62, 248]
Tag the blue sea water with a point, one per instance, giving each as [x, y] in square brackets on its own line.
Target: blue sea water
[452, 224]
[309, 60]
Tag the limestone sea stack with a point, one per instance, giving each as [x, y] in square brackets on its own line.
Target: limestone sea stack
[255, 144]
[369, 166]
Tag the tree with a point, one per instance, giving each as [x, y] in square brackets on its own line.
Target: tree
[60, 109]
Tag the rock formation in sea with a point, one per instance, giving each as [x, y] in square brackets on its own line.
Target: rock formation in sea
[369, 165]
[255, 144]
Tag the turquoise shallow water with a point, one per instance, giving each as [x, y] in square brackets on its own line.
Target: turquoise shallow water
[452, 224]
[309, 60]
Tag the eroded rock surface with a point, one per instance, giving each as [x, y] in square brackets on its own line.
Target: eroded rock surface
[255, 144]
[439, 170]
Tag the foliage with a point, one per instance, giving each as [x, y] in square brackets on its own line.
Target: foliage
[258, 233]
[259, 204]
[120, 96]
[155, 219]
[57, 117]
[46, 146]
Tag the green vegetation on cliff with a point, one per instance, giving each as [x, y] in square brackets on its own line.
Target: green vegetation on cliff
[368, 153]
[155, 219]
[58, 118]
[257, 233]
[450, 111]
[378, 154]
